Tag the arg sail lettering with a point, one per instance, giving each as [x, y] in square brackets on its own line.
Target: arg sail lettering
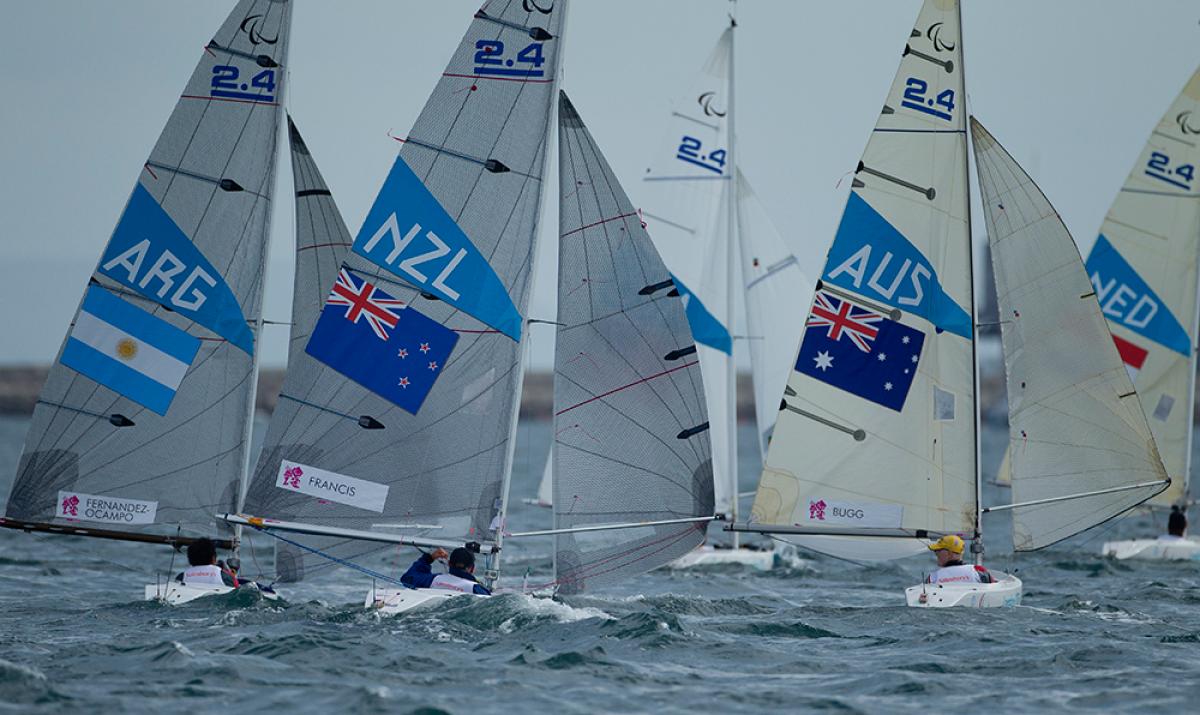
[150, 255]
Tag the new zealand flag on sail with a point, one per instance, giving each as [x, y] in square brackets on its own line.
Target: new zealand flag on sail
[859, 351]
[379, 342]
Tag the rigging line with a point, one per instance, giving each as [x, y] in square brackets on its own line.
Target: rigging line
[590, 572]
[597, 223]
[783, 263]
[624, 387]
[335, 559]
[665, 477]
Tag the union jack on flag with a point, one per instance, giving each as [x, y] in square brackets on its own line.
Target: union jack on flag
[362, 299]
[843, 318]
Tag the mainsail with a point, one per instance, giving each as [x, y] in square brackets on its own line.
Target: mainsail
[451, 238]
[1143, 267]
[142, 427]
[1076, 427]
[876, 433]
[631, 427]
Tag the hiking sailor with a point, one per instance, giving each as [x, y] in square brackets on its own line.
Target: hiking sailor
[1176, 525]
[460, 578]
[204, 569]
[951, 569]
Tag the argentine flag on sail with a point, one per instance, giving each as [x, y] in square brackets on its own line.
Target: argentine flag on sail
[128, 350]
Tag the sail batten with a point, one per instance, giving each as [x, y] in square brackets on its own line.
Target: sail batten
[1081, 449]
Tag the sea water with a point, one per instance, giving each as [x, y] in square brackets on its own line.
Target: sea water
[816, 634]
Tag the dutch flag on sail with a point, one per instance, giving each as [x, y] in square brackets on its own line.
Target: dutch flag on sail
[128, 350]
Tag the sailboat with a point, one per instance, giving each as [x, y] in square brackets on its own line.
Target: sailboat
[719, 242]
[397, 418]
[1144, 267]
[876, 445]
[143, 426]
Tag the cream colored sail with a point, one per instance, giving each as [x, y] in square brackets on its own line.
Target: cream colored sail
[773, 286]
[1143, 267]
[1076, 426]
[876, 434]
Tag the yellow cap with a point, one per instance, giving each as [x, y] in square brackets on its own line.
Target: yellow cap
[949, 542]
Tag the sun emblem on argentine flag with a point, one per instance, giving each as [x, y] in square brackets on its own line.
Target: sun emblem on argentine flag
[843, 318]
[360, 300]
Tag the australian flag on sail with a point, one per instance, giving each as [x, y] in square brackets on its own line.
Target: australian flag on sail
[859, 351]
[376, 340]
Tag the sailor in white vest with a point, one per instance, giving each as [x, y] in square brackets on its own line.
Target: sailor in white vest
[204, 569]
[951, 569]
[460, 577]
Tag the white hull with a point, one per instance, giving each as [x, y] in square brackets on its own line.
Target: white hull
[1006, 591]
[176, 594]
[391, 601]
[706, 555]
[1153, 549]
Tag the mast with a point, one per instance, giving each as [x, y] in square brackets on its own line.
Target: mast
[731, 458]
[977, 541]
[1185, 497]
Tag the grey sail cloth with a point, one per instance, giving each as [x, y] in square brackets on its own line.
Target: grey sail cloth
[213, 173]
[445, 468]
[631, 425]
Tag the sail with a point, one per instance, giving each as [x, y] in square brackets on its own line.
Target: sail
[631, 429]
[684, 197]
[774, 286]
[142, 425]
[876, 429]
[1075, 423]
[545, 492]
[468, 179]
[1143, 267]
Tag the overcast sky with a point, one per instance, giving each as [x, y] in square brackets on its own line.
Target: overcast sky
[1071, 87]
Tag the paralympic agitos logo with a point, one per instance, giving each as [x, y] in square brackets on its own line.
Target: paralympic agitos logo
[705, 101]
[934, 33]
[250, 26]
[1185, 122]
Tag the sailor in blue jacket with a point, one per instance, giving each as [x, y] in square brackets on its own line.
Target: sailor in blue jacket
[460, 578]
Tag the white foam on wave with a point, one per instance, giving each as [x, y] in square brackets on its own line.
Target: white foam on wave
[545, 607]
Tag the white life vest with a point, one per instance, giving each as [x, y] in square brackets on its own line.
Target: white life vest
[963, 573]
[209, 575]
[448, 582]
[1170, 537]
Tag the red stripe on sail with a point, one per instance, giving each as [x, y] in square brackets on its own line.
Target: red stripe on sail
[1131, 354]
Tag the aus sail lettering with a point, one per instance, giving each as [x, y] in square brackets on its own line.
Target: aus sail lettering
[408, 233]
[870, 257]
[1126, 299]
[151, 255]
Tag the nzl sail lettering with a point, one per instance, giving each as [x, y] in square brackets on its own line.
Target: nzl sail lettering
[391, 228]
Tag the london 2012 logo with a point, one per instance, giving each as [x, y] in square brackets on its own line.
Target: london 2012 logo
[1186, 123]
[70, 506]
[250, 26]
[291, 477]
[816, 510]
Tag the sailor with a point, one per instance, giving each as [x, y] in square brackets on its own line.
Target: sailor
[1176, 526]
[951, 569]
[460, 577]
[204, 569]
